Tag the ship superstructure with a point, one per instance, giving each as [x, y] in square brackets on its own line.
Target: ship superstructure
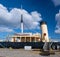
[24, 37]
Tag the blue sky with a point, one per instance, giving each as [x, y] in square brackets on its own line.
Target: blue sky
[36, 10]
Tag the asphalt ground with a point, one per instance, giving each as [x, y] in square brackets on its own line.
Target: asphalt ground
[24, 53]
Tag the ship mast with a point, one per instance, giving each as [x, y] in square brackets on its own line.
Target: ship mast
[21, 21]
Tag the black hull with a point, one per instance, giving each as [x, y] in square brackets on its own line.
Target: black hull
[18, 45]
[21, 44]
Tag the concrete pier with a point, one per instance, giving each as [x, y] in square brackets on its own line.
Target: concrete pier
[23, 53]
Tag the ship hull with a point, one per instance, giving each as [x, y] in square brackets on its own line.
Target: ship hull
[17, 45]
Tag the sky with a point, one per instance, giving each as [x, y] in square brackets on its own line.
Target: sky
[33, 12]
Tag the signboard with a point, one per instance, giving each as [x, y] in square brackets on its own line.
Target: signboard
[27, 47]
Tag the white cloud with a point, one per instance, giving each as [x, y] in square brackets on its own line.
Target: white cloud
[56, 2]
[57, 31]
[4, 29]
[11, 19]
[55, 40]
[58, 23]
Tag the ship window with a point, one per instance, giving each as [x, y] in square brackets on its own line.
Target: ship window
[22, 39]
[33, 39]
[27, 39]
[18, 37]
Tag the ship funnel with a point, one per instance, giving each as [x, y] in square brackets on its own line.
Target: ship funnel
[44, 29]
